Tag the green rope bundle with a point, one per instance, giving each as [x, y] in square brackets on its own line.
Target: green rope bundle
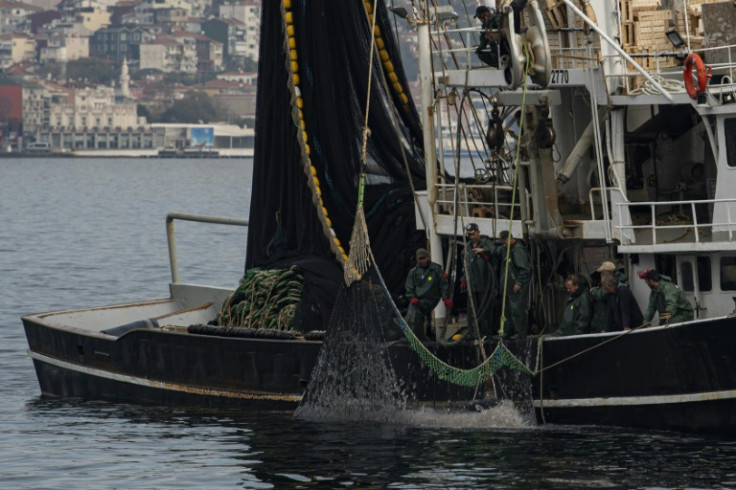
[265, 298]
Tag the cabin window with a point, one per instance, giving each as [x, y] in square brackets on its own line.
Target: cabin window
[705, 279]
[686, 273]
[728, 274]
[729, 126]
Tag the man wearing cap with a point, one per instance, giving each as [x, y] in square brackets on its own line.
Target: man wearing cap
[609, 268]
[479, 278]
[516, 268]
[425, 285]
[666, 299]
[487, 50]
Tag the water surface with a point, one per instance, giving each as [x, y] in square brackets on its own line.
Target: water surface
[91, 232]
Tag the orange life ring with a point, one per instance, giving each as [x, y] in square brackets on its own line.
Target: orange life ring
[703, 73]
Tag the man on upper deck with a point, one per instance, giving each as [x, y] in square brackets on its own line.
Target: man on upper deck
[490, 38]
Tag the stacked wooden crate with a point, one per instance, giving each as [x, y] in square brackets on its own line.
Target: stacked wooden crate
[644, 32]
[568, 47]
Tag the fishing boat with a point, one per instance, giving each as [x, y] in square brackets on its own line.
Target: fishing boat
[623, 151]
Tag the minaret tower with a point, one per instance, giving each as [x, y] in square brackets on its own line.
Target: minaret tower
[124, 79]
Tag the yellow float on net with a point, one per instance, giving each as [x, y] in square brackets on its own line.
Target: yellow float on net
[299, 104]
[392, 76]
[313, 169]
[290, 30]
[304, 135]
[287, 4]
[383, 54]
[404, 98]
[388, 66]
[324, 210]
[329, 221]
[292, 55]
[289, 18]
[292, 43]
[307, 149]
[377, 31]
[302, 124]
[316, 187]
[379, 43]
[294, 66]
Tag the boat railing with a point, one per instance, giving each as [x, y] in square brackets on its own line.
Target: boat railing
[480, 201]
[665, 222]
[668, 66]
[571, 57]
[200, 218]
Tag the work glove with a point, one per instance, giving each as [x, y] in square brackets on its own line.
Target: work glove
[415, 301]
[448, 303]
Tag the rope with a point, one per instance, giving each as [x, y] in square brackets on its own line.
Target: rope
[670, 85]
[513, 195]
[265, 299]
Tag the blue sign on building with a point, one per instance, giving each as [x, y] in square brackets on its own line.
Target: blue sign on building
[202, 138]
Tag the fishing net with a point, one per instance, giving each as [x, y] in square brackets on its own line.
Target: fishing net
[333, 193]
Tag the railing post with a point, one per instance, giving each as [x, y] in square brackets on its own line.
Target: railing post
[654, 223]
[201, 218]
[695, 222]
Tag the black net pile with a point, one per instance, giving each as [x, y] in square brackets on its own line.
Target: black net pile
[328, 44]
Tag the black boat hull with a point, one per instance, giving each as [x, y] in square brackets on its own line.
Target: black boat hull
[681, 377]
[154, 366]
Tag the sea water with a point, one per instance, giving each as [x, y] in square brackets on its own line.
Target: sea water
[85, 232]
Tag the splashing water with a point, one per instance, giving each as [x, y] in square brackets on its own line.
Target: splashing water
[354, 377]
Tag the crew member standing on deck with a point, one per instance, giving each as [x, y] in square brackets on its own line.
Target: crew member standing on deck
[623, 310]
[479, 279]
[578, 308]
[517, 271]
[425, 285]
[666, 299]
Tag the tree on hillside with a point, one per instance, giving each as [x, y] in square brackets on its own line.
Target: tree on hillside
[193, 108]
[94, 70]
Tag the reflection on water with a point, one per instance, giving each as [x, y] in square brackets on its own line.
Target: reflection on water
[79, 233]
[156, 447]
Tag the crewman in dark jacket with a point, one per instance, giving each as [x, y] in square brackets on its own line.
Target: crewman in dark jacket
[517, 271]
[601, 300]
[623, 310]
[425, 285]
[578, 308]
[666, 299]
[491, 36]
[479, 278]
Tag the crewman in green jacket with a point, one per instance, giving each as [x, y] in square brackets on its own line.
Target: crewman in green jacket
[517, 274]
[479, 278]
[578, 309]
[666, 298]
[425, 285]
